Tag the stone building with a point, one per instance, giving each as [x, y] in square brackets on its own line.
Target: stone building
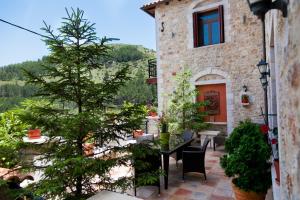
[220, 42]
[283, 56]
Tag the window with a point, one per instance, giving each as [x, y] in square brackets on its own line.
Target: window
[208, 27]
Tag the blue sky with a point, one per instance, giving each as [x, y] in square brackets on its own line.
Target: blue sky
[114, 18]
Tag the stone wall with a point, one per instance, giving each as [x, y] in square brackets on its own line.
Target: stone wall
[233, 62]
[284, 35]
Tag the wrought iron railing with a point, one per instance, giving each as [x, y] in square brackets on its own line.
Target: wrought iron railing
[152, 68]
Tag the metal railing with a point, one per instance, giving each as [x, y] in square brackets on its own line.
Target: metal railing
[152, 68]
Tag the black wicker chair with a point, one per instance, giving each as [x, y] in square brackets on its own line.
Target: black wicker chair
[219, 140]
[193, 159]
[187, 135]
[153, 164]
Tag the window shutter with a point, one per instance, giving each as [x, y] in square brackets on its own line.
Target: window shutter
[221, 20]
[196, 30]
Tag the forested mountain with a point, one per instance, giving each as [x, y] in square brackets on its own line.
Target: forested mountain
[13, 89]
[15, 71]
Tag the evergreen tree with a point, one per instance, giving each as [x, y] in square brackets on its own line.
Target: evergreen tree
[74, 172]
[184, 111]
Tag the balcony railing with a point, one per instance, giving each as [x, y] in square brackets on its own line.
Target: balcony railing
[152, 71]
[152, 68]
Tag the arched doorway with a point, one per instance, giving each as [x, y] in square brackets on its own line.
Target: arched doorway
[214, 85]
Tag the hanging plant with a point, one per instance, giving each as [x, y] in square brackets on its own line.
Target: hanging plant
[245, 99]
[152, 111]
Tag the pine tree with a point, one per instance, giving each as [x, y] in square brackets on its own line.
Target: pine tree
[184, 112]
[79, 113]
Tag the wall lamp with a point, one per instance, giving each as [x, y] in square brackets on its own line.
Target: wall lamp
[264, 70]
[261, 7]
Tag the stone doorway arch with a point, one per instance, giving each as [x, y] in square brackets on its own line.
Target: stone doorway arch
[211, 76]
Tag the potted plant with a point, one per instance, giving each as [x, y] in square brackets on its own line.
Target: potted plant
[247, 162]
[34, 133]
[89, 144]
[164, 134]
[274, 143]
[185, 113]
[152, 111]
[245, 100]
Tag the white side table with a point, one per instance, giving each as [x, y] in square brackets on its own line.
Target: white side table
[210, 134]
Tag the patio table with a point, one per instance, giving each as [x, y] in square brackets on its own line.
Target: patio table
[166, 152]
[210, 134]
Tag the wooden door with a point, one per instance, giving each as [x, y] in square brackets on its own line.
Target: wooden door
[216, 95]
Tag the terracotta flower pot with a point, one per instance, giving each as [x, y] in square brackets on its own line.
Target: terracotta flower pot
[243, 195]
[277, 170]
[89, 149]
[152, 113]
[34, 134]
[245, 100]
[137, 133]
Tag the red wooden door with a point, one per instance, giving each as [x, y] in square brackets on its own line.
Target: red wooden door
[216, 95]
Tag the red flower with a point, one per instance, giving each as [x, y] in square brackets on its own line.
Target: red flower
[264, 129]
[274, 141]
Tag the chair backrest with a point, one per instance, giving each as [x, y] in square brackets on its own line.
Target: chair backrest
[187, 135]
[206, 141]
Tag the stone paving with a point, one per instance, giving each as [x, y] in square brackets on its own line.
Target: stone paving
[216, 187]
[194, 187]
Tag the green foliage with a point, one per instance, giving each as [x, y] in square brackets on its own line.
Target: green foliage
[9, 103]
[12, 194]
[75, 53]
[14, 71]
[5, 192]
[183, 111]
[164, 138]
[140, 156]
[15, 90]
[136, 90]
[248, 157]
[126, 53]
[12, 94]
[12, 129]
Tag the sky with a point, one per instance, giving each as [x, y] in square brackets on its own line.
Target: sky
[121, 19]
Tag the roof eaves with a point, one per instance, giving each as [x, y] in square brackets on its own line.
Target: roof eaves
[150, 7]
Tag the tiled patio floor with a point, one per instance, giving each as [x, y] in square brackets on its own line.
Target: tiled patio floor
[216, 187]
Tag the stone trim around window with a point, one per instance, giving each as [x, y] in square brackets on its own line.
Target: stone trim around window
[200, 6]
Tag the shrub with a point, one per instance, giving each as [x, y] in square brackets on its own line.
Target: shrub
[248, 157]
[12, 129]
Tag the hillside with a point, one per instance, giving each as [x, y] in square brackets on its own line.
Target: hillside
[13, 89]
